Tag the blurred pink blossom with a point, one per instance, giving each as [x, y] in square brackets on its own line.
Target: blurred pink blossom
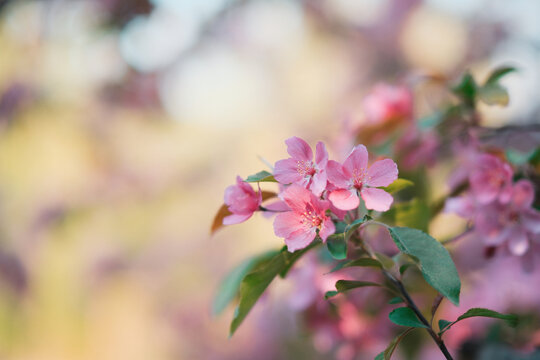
[491, 178]
[387, 102]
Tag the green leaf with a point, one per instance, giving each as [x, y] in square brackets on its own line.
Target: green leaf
[431, 121]
[498, 73]
[337, 246]
[404, 316]
[436, 264]
[494, 94]
[346, 285]
[466, 90]
[387, 353]
[404, 268]
[397, 185]
[415, 214]
[520, 158]
[368, 262]
[351, 228]
[386, 261]
[261, 176]
[255, 283]
[443, 324]
[330, 294]
[395, 300]
[511, 320]
[228, 290]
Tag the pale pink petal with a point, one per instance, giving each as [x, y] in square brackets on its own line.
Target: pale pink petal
[286, 172]
[382, 173]
[344, 199]
[376, 199]
[462, 206]
[356, 161]
[236, 219]
[299, 149]
[523, 194]
[335, 174]
[518, 242]
[327, 229]
[277, 206]
[340, 214]
[296, 197]
[321, 156]
[286, 223]
[318, 183]
[300, 239]
[530, 219]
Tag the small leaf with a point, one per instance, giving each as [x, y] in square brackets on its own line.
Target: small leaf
[395, 300]
[218, 219]
[443, 324]
[351, 228]
[494, 94]
[387, 353]
[397, 185]
[466, 90]
[404, 268]
[436, 264]
[337, 246]
[330, 294]
[368, 262]
[261, 176]
[230, 285]
[498, 73]
[511, 320]
[386, 261]
[346, 285]
[404, 316]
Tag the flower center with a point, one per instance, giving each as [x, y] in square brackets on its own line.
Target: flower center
[311, 219]
[305, 168]
[358, 177]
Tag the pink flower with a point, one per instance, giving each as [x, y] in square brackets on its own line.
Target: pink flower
[242, 201]
[490, 179]
[354, 176]
[307, 217]
[300, 168]
[515, 223]
[388, 102]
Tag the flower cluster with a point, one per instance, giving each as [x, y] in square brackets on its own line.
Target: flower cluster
[314, 191]
[500, 209]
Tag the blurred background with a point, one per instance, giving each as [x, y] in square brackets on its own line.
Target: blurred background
[122, 122]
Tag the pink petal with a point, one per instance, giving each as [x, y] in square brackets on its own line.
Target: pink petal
[285, 171]
[335, 174]
[462, 206]
[376, 199]
[327, 229]
[300, 239]
[523, 194]
[277, 206]
[518, 243]
[344, 199]
[382, 173]
[321, 156]
[530, 219]
[236, 219]
[299, 149]
[318, 183]
[356, 161]
[296, 197]
[286, 223]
